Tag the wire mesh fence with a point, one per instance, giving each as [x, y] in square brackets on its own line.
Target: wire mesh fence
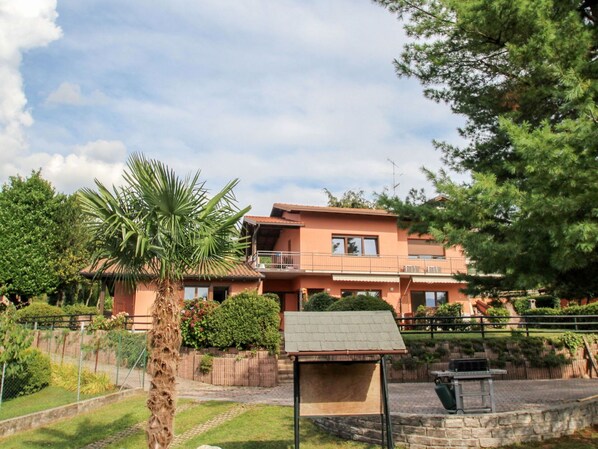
[116, 358]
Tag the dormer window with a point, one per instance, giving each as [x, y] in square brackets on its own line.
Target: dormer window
[354, 245]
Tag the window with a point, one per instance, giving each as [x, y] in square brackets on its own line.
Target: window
[196, 291]
[428, 299]
[425, 249]
[355, 245]
[376, 293]
[220, 293]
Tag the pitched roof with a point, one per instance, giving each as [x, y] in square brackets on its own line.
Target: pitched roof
[279, 208]
[338, 333]
[239, 271]
[254, 219]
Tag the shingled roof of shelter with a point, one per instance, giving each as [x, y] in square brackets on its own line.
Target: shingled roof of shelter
[339, 333]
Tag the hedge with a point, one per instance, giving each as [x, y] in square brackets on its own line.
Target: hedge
[245, 321]
[31, 376]
[361, 302]
[31, 313]
[319, 302]
[545, 316]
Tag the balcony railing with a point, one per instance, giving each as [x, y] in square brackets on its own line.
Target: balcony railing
[334, 263]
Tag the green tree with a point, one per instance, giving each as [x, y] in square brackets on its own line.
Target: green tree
[39, 251]
[524, 74]
[351, 198]
[162, 227]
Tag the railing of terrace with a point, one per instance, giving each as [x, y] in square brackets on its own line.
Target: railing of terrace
[320, 262]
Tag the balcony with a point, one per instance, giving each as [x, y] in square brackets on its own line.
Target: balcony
[329, 263]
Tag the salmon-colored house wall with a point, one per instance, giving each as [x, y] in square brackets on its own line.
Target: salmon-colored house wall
[306, 233]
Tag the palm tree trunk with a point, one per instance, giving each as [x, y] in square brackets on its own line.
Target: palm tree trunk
[165, 341]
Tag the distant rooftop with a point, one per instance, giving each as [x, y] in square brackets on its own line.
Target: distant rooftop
[340, 333]
[279, 208]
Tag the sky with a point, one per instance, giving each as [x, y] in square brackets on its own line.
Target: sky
[288, 96]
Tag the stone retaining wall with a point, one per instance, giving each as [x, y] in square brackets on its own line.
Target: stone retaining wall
[39, 419]
[232, 367]
[469, 431]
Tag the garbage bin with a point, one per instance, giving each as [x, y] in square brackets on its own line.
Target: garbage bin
[446, 393]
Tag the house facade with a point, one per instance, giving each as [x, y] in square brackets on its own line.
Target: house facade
[301, 250]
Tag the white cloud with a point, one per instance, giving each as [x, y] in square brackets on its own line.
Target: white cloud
[23, 26]
[102, 160]
[66, 93]
[289, 96]
[70, 94]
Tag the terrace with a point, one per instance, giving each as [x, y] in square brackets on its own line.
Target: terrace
[311, 262]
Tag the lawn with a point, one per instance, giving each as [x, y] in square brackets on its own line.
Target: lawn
[262, 427]
[47, 398]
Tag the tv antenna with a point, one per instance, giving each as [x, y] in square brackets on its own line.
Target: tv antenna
[395, 184]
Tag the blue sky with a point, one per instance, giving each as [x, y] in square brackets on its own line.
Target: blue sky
[290, 96]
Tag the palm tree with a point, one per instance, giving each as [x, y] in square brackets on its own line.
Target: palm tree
[158, 227]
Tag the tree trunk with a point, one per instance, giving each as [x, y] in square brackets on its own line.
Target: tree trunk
[165, 341]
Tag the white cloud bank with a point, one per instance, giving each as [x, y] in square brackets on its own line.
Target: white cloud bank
[23, 25]
[26, 25]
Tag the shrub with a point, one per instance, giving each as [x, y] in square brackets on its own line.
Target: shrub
[547, 301]
[206, 363]
[521, 305]
[361, 302]
[79, 309]
[99, 322]
[453, 319]
[319, 302]
[65, 376]
[195, 320]
[33, 374]
[498, 316]
[43, 313]
[245, 321]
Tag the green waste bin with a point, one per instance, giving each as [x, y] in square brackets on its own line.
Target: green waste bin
[446, 394]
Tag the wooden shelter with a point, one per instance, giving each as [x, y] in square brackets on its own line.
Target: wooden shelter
[339, 364]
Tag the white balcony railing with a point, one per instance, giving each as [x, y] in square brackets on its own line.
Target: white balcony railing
[334, 263]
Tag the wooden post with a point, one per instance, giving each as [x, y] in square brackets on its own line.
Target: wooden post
[297, 401]
[102, 297]
[386, 410]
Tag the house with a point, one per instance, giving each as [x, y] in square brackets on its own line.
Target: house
[138, 302]
[301, 250]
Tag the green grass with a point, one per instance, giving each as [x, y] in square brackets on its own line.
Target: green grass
[262, 427]
[184, 421]
[47, 398]
[269, 427]
[84, 429]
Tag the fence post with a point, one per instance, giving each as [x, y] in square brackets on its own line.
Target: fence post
[482, 326]
[80, 363]
[2, 384]
[432, 319]
[575, 320]
[144, 367]
[118, 357]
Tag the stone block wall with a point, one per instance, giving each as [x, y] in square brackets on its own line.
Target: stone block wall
[469, 431]
[239, 368]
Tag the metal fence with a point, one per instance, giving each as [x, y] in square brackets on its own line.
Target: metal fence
[119, 355]
[74, 322]
[487, 325]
